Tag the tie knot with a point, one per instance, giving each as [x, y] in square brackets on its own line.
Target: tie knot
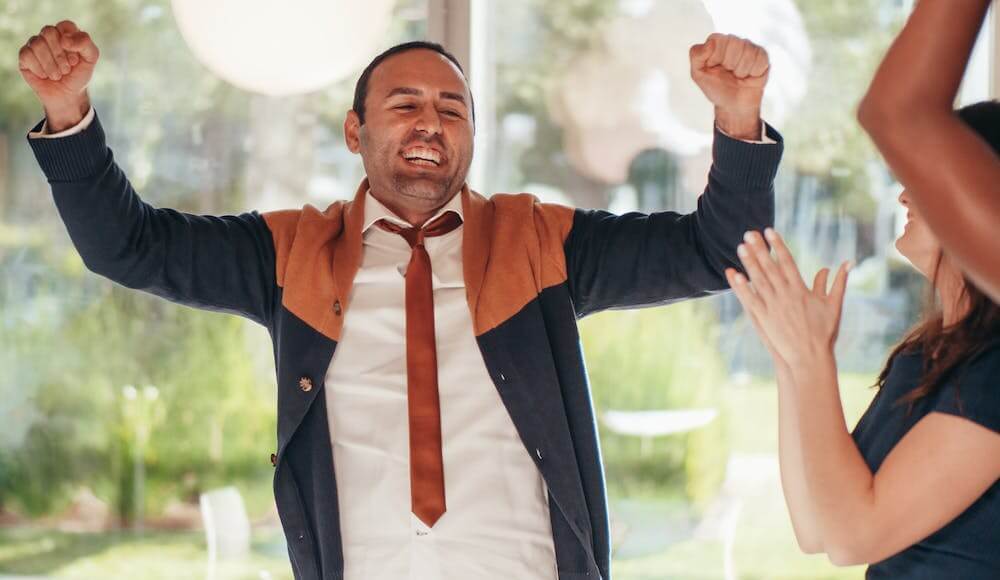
[415, 236]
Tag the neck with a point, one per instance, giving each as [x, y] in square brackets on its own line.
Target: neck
[954, 303]
[415, 216]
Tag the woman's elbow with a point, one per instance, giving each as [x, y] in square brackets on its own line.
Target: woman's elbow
[874, 115]
[848, 552]
[810, 547]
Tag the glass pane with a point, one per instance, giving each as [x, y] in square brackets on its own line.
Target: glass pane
[127, 419]
[591, 104]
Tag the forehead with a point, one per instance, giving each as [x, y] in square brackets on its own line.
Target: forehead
[421, 69]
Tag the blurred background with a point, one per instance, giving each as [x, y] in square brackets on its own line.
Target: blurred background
[136, 434]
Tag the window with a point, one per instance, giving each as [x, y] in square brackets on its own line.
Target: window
[120, 412]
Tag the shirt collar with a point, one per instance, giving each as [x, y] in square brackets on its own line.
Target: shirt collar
[375, 211]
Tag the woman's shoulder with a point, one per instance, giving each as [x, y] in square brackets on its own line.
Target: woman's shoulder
[973, 390]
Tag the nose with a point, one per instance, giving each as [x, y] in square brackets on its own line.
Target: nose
[429, 121]
[904, 198]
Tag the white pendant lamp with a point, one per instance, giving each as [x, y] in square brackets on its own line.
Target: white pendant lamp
[285, 47]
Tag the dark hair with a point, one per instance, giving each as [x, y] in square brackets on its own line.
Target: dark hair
[944, 350]
[361, 88]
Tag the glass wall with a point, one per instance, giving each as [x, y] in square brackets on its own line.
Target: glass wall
[118, 409]
[121, 413]
[591, 104]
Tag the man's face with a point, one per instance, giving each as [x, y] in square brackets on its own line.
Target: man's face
[417, 139]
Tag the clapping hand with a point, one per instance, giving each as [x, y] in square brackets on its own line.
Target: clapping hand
[795, 322]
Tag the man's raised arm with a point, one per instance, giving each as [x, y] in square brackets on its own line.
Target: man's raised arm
[636, 259]
[222, 263]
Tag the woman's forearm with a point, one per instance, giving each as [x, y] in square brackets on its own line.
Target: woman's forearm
[838, 480]
[793, 477]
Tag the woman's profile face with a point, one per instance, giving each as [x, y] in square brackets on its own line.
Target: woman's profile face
[917, 243]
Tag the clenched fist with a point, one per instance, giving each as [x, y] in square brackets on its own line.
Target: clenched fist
[58, 64]
[732, 72]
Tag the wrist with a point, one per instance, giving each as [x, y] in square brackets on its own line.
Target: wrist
[809, 361]
[739, 123]
[62, 115]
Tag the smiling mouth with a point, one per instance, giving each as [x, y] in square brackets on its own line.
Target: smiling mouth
[422, 156]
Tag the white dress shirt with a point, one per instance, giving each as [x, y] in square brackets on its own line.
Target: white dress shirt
[496, 524]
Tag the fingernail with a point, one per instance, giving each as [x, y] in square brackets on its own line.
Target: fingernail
[741, 250]
[748, 236]
[769, 233]
[739, 278]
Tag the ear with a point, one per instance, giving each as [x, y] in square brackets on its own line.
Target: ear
[352, 131]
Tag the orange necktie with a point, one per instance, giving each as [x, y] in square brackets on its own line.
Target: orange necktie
[426, 464]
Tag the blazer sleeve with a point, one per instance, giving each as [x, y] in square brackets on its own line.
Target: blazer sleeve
[635, 260]
[222, 263]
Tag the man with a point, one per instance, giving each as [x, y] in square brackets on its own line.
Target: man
[455, 436]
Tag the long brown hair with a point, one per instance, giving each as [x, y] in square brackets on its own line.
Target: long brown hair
[943, 349]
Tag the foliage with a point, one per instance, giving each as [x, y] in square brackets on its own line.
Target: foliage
[680, 369]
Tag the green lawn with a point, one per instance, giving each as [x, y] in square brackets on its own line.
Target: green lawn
[123, 556]
[658, 544]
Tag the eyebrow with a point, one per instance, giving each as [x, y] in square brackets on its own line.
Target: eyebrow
[417, 92]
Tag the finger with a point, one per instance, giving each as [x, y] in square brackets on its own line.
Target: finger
[734, 51]
[763, 286]
[761, 64]
[52, 38]
[784, 259]
[743, 67]
[718, 43]
[67, 27]
[80, 42]
[699, 54]
[743, 291]
[840, 284]
[41, 50]
[27, 61]
[763, 254]
[819, 282]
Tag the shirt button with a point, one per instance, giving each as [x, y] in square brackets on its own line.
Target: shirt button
[306, 384]
[336, 308]
[538, 452]
[274, 460]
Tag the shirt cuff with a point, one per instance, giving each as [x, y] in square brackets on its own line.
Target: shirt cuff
[43, 133]
[765, 139]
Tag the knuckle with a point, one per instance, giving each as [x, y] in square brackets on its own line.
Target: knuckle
[49, 31]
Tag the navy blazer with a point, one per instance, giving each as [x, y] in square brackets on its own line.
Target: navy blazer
[531, 270]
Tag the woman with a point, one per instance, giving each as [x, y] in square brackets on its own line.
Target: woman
[908, 114]
[915, 490]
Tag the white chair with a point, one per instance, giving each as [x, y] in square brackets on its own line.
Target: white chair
[227, 526]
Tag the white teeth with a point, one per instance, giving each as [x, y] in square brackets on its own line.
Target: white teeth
[422, 153]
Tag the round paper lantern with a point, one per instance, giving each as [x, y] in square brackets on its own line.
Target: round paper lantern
[283, 48]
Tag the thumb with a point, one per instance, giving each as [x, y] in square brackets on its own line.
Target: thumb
[840, 284]
[80, 42]
[700, 54]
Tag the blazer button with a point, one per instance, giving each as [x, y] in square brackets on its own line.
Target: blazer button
[336, 308]
[274, 460]
[306, 384]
